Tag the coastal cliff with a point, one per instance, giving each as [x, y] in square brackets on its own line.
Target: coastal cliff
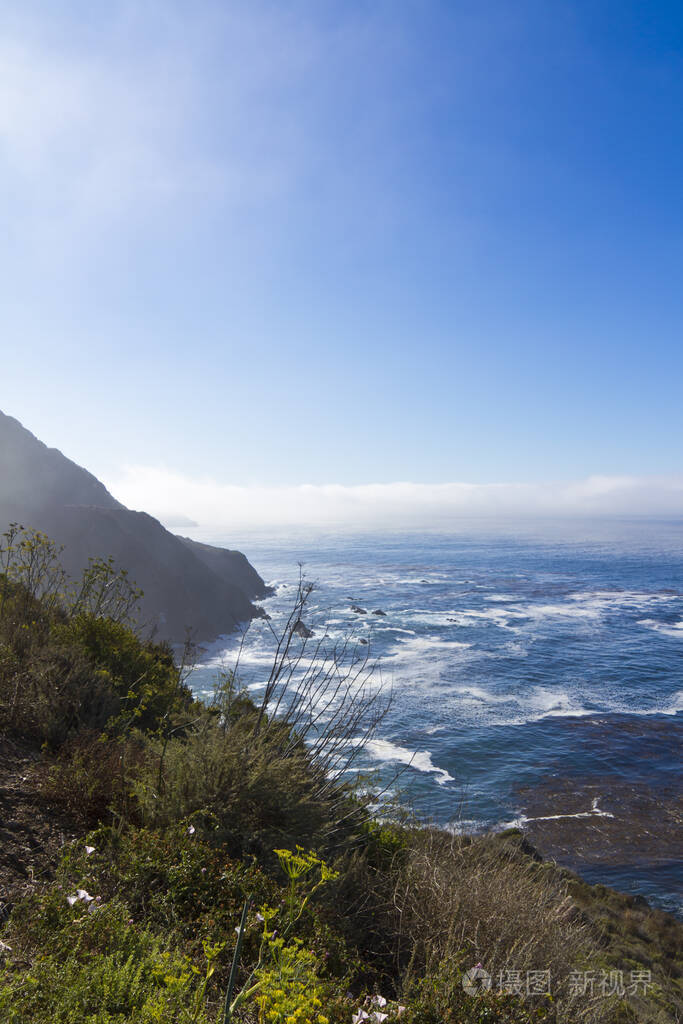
[186, 585]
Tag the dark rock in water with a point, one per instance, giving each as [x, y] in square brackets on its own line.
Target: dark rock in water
[302, 630]
[362, 640]
[378, 611]
[186, 585]
[358, 610]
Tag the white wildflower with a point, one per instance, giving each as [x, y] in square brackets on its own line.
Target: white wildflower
[82, 896]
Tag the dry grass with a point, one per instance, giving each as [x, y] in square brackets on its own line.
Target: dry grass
[509, 912]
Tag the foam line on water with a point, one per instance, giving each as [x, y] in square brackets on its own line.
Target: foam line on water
[588, 606]
[479, 694]
[421, 760]
[543, 702]
[673, 629]
[594, 812]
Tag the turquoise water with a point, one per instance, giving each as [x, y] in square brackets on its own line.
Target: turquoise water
[537, 677]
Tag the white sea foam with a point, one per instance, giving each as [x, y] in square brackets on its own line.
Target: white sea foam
[498, 616]
[421, 760]
[466, 826]
[537, 612]
[483, 696]
[674, 629]
[623, 597]
[563, 706]
[463, 617]
[544, 702]
[594, 812]
[394, 629]
[421, 660]
[549, 700]
[419, 646]
[676, 704]
[589, 605]
[430, 579]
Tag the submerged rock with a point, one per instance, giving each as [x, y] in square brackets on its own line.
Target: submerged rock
[378, 611]
[302, 630]
[358, 610]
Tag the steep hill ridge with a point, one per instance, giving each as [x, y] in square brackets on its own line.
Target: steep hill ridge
[186, 585]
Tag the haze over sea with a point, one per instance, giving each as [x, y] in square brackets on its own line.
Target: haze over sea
[537, 674]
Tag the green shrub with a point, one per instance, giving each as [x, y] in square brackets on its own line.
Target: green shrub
[49, 690]
[69, 659]
[261, 789]
[177, 879]
[144, 676]
[96, 967]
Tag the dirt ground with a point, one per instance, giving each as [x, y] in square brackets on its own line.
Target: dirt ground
[32, 831]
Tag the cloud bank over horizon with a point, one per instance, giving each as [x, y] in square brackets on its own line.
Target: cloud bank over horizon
[174, 499]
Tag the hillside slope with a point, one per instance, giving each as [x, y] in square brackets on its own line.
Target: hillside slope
[186, 585]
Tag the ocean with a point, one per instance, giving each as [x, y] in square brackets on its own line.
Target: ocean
[536, 672]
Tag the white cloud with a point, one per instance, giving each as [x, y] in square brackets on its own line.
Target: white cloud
[167, 494]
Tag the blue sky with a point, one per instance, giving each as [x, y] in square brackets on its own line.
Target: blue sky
[262, 245]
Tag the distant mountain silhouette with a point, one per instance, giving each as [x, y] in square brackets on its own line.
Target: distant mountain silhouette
[186, 585]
